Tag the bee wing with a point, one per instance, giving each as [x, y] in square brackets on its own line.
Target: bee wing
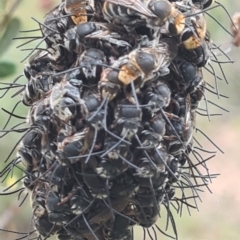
[135, 5]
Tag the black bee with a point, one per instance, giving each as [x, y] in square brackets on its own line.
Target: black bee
[60, 57]
[30, 149]
[72, 147]
[127, 119]
[36, 88]
[184, 126]
[90, 64]
[153, 133]
[153, 14]
[111, 39]
[57, 213]
[118, 230]
[157, 96]
[203, 4]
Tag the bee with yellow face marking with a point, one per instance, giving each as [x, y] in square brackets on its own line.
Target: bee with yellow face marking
[79, 10]
[195, 32]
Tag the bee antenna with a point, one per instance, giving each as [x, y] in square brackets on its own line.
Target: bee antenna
[220, 68]
[18, 92]
[161, 231]
[105, 125]
[223, 52]
[33, 30]
[170, 216]
[226, 13]
[203, 150]
[9, 118]
[93, 144]
[216, 84]
[154, 232]
[41, 24]
[206, 102]
[169, 122]
[84, 211]
[219, 24]
[149, 234]
[15, 86]
[165, 164]
[49, 233]
[217, 61]
[6, 168]
[14, 184]
[5, 194]
[120, 214]
[113, 147]
[211, 115]
[32, 37]
[215, 93]
[145, 152]
[213, 73]
[43, 39]
[203, 164]
[12, 114]
[192, 187]
[129, 163]
[19, 195]
[218, 106]
[16, 145]
[41, 49]
[15, 80]
[89, 227]
[134, 94]
[109, 205]
[32, 40]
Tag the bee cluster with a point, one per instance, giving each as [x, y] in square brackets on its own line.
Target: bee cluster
[112, 110]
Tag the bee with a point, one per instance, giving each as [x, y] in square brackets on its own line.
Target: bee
[119, 229]
[139, 66]
[54, 26]
[30, 149]
[153, 14]
[153, 132]
[202, 4]
[199, 56]
[60, 57]
[36, 88]
[63, 17]
[73, 146]
[37, 63]
[111, 39]
[184, 126]
[157, 96]
[127, 119]
[79, 10]
[90, 63]
[40, 213]
[194, 34]
[63, 98]
[57, 213]
[192, 76]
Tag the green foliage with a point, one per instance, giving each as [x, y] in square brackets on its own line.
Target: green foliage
[6, 69]
[9, 28]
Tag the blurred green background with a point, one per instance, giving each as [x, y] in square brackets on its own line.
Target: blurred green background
[219, 213]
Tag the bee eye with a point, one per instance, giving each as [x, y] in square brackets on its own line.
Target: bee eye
[161, 8]
[145, 61]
